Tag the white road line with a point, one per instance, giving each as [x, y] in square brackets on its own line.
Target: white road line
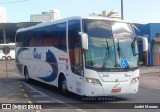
[30, 102]
[58, 101]
[32, 91]
[35, 89]
[26, 95]
[35, 96]
[43, 101]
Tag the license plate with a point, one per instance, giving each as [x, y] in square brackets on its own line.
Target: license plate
[115, 90]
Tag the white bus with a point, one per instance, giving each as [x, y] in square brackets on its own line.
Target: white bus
[89, 56]
[11, 54]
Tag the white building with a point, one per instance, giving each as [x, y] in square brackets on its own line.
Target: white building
[111, 14]
[45, 16]
[2, 14]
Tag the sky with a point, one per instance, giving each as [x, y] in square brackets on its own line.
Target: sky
[135, 11]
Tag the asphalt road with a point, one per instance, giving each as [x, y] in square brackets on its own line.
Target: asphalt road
[149, 92]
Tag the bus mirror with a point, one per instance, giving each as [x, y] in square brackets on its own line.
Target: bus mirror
[84, 39]
[142, 45]
[133, 48]
[145, 43]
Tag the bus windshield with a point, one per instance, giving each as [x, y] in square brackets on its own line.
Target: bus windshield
[109, 45]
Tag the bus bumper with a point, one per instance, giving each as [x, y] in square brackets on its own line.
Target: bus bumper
[110, 89]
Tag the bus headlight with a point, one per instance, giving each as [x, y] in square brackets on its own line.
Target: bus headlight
[134, 80]
[93, 81]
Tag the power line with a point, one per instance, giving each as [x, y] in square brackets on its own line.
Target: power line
[14, 2]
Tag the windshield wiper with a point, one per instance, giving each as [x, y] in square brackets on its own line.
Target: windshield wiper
[107, 48]
[106, 56]
[118, 49]
[119, 53]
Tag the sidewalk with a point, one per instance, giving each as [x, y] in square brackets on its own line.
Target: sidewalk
[11, 90]
[150, 70]
[150, 77]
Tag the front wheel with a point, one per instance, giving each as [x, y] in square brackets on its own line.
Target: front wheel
[26, 74]
[63, 86]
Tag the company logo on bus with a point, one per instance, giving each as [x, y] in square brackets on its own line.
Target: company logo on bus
[63, 59]
[36, 54]
[52, 61]
[105, 75]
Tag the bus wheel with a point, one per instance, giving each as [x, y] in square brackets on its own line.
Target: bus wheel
[64, 86]
[9, 58]
[26, 74]
[3, 58]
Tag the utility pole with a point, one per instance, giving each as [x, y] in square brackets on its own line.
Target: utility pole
[122, 9]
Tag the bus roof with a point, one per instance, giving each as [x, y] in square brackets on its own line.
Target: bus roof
[66, 19]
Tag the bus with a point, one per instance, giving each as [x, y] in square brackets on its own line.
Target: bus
[11, 54]
[88, 56]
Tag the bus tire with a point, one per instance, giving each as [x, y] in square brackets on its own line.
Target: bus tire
[26, 74]
[9, 58]
[63, 86]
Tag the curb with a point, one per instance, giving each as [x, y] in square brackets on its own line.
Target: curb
[28, 99]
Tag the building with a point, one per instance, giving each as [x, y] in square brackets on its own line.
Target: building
[152, 32]
[45, 16]
[111, 14]
[2, 15]
[8, 31]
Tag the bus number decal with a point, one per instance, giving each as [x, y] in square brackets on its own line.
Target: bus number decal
[79, 87]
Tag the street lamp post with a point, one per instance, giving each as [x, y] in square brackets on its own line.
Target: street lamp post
[122, 9]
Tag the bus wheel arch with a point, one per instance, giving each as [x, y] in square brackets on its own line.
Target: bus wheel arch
[26, 74]
[62, 84]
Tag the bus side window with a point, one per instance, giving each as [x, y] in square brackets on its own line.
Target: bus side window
[31, 43]
[62, 37]
[17, 39]
[26, 39]
[59, 36]
[74, 42]
[21, 41]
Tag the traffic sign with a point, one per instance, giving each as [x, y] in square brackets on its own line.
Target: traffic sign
[6, 50]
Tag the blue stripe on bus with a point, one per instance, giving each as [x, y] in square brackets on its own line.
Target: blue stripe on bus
[51, 60]
[18, 64]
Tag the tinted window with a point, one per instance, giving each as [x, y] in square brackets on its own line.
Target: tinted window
[53, 35]
[74, 41]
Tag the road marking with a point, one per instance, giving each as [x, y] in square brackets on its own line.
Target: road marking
[43, 94]
[25, 95]
[45, 101]
[34, 89]
[59, 101]
[35, 96]
[22, 90]
[30, 102]
[37, 111]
